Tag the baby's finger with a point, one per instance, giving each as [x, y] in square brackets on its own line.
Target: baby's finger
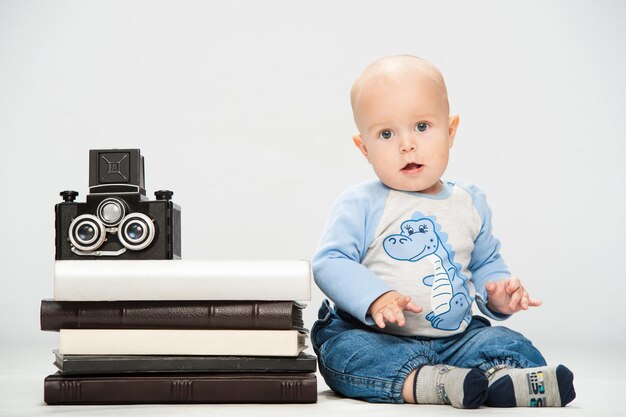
[378, 319]
[413, 307]
[403, 301]
[513, 285]
[388, 315]
[532, 302]
[516, 298]
[524, 301]
[400, 318]
[406, 304]
[490, 287]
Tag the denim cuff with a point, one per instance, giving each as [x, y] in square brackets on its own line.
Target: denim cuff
[398, 382]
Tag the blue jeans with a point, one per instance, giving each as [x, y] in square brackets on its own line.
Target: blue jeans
[359, 362]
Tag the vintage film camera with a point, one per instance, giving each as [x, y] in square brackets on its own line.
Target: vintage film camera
[117, 221]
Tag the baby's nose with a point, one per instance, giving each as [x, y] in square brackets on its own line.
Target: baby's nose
[407, 144]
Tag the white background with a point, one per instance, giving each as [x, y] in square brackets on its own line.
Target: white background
[242, 109]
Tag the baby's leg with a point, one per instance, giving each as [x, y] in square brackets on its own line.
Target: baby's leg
[361, 363]
[443, 384]
[545, 386]
[516, 369]
[365, 364]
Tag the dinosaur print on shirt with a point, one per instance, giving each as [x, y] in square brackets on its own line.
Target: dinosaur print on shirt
[421, 238]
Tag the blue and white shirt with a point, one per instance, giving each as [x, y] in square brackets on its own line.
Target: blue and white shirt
[438, 249]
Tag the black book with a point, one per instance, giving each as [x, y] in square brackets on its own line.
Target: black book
[123, 364]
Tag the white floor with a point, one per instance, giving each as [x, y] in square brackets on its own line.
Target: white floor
[600, 381]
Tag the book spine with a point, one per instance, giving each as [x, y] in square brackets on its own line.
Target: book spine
[56, 315]
[284, 388]
[120, 364]
[181, 342]
[97, 280]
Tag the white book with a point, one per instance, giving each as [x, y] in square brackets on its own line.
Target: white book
[181, 342]
[120, 280]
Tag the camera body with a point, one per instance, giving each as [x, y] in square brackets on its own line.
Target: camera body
[117, 220]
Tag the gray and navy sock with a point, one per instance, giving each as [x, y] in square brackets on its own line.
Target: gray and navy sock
[545, 386]
[443, 384]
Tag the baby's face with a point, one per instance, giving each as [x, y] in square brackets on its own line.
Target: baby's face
[405, 130]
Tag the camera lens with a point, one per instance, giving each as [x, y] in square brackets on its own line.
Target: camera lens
[86, 232]
[111, 211]
[136, 231]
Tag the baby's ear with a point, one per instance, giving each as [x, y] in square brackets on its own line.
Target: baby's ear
[358, 142]
[453, 124]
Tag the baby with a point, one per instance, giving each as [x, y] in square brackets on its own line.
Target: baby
[404, 257]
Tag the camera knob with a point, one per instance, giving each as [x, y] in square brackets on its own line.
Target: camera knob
[163, 195]
[69, 195]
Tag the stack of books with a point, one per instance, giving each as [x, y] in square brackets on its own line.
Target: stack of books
[163, 331]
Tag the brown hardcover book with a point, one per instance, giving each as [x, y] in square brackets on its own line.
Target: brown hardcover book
[261, 315]
[181, 389]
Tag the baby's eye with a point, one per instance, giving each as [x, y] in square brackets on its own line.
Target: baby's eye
[385, 134]
[421, 126]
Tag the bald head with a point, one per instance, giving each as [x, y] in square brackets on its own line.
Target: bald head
[398, 68]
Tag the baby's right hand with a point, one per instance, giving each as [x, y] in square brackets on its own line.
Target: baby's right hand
[389, 307]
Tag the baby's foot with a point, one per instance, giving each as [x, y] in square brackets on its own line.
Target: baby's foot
[545, 386]
[442, 384]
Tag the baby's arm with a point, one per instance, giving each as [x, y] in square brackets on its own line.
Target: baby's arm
[390, 306]
[498, 295]
[337, 267]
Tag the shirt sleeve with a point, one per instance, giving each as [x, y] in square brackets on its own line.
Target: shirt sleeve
[486, 263]
[337, 267]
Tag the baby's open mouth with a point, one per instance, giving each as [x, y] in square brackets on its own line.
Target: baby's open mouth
[412, 167]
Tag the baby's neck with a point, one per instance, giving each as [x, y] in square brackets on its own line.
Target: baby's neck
[433, 189]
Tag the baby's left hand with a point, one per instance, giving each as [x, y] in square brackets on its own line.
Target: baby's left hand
[508, 296]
